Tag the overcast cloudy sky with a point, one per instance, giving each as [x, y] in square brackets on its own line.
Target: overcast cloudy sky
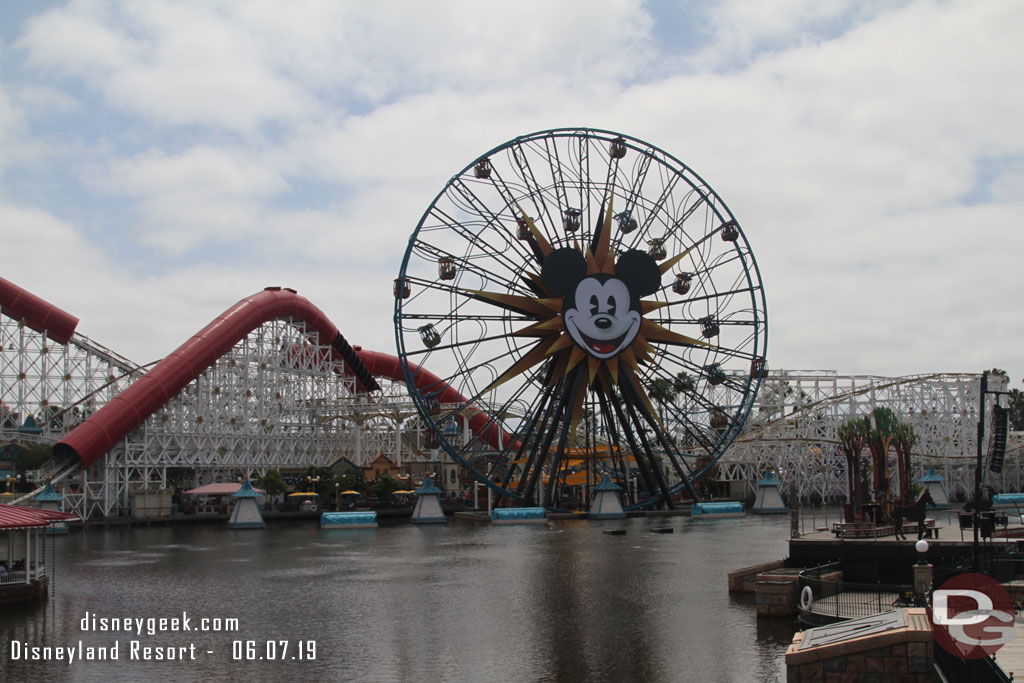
[161, 160]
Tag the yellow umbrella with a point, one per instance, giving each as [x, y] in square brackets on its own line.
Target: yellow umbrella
[350, 493]
[306, 493]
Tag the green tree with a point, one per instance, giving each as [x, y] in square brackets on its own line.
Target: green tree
[663, 391]
[883, 431]
[349, 478]
[904, 441]
[384, 487]
[1016, 410]
[321, 481]
[32, 458]
[853, 436]
[683, 384]
[180, 478]
[272, 483]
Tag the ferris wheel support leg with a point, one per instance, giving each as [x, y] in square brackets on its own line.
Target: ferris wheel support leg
[578, 383]
[650, 419]
[621, 464]
[548, 411]
[549, 436]
[659, 476]
[645, 473]
[628, 432]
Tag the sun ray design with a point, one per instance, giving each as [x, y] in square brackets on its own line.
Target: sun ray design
[548, 322]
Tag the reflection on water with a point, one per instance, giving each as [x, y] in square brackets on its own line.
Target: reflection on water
[464, 601]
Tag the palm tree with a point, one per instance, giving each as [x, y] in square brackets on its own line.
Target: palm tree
[683, 383]
[883, 431]
[663, 391]
[853, 435]
[904, 441]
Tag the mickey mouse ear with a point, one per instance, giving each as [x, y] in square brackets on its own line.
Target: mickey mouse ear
[562, 269]
[639, 271]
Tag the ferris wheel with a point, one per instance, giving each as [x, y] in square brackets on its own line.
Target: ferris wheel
[576, 304]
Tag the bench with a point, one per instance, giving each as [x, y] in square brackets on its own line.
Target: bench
[864, 530]
[931, 530]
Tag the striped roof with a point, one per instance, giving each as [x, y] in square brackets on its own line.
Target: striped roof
[22, 517]
[246, 491]
[428, 488]
[48, 495]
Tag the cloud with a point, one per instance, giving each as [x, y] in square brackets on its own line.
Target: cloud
[244, 66]
[872, 152]
[202, 195]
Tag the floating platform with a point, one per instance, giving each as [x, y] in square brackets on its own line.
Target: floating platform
[717, 510]
[1008, 500]
[349, 520]
[518, 516]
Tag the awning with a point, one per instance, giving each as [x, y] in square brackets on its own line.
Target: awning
[22, 517]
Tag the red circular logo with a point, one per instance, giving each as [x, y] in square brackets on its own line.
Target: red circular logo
[972, 616]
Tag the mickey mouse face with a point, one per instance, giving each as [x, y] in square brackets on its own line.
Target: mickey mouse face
[600, 319]
[601, 311]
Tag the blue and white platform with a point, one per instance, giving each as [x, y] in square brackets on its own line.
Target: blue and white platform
[1008, 500]
[349, 520]
[717, 510]
[519, 516]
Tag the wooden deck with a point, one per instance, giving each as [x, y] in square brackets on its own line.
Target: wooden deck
[1010, 657]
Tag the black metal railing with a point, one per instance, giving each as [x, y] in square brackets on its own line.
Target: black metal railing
[983, 670]
[841, 599]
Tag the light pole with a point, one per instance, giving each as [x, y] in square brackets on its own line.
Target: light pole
[314, 483]
[998, 388]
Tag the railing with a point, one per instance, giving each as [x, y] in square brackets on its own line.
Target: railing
[15, 577]
[982, 670]
[1006, 569]
[12, 577]
[833, 597]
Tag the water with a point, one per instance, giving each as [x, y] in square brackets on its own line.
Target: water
[458, 602]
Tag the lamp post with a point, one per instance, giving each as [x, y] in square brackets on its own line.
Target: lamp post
[922, 572]
[337, 498]
[997, 388]
[314, 484]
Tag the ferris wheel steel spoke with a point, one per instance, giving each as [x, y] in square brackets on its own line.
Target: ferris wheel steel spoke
[707, 297]
[474, 240]
[551, 154]
[530, 180]
[639, 178]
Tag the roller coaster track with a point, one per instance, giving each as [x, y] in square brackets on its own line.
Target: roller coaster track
[764, 431]
[111, 423]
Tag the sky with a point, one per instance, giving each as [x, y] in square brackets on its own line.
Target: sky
[161, 160]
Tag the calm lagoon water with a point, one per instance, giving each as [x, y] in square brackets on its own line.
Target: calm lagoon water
[458, 602]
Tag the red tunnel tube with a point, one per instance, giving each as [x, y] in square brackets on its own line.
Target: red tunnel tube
[38, 314]
[114, 421]
[126, 411]
[386, 365]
